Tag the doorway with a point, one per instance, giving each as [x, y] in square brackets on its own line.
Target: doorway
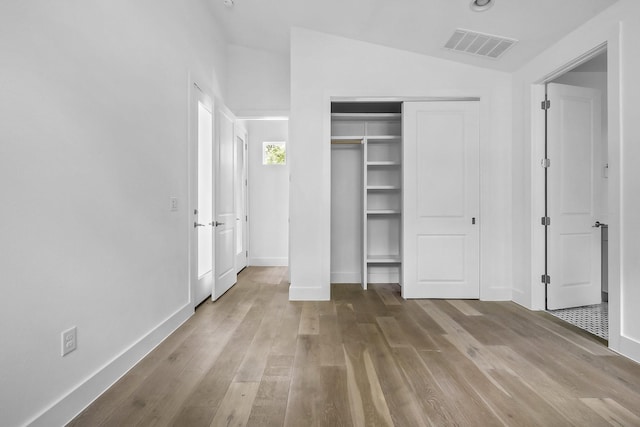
[576, 196]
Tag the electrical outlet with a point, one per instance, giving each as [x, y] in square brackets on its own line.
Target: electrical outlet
[69, 340]
[173, 204]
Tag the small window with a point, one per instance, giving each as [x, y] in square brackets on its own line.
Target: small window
[274, 153]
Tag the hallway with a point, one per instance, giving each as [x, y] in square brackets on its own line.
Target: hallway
[369, 358]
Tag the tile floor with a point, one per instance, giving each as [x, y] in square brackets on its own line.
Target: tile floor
[592, 318]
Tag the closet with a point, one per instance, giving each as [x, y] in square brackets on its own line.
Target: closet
[405, 196]
[366, 192]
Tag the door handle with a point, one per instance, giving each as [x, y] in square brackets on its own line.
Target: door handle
[196, 225]
[598, 224]
[216, 223]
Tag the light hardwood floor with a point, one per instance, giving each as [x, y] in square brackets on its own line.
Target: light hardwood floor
[369, 358]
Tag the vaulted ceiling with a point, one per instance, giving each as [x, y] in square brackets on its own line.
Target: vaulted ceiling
[421, 26]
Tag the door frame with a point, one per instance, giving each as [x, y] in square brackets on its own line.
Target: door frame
[194, 92]
[537, 207]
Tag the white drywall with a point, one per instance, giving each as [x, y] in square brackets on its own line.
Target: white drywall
[323, 66]
[619, 27]
[258, 82]
[268, 197]
[93, 143]
[346, 213]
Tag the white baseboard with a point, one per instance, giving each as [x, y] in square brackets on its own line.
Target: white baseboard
[269, 262]
[347, 277]
[309, 294]
[83, 395]
[496, 294]
[629, 348]
[384, 277]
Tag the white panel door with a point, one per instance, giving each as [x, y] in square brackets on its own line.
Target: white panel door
[201, 196]
[225, 214]
[573, 195]
[440, 200]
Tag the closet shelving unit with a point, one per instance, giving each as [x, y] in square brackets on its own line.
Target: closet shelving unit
[381, 142]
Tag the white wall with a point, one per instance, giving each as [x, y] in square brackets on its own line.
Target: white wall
[323, 66]
[346, 213]
[619, 27]
[268, 197]
[93, 143]
[258, 82]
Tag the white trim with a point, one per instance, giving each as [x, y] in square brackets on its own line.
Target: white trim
[537, 301]
[298, 293]
[268, 262]
[84, 394]
[497, 294]
[263, 114]
[346, 278]
[629, 348]
[388, 277]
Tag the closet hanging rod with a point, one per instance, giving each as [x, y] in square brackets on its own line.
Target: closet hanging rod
[347, 141]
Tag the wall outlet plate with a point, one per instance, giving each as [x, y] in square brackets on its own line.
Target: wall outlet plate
[173, 204]
[69, 340]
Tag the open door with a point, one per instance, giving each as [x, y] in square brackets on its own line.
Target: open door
[224, 223]
[441, 200]
[201, 196]
[241, 198]
[573, 196]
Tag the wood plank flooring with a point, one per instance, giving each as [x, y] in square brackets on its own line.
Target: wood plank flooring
[370, 358]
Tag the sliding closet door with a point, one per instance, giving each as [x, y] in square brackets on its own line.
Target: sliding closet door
[441, 200]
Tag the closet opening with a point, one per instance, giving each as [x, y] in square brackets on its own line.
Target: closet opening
[366, 192]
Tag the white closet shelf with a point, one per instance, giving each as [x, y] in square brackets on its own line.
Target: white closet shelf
[365, 116]
[383, 163]
[383, 259]
[383, 187]
[384, 138]
[384, 212]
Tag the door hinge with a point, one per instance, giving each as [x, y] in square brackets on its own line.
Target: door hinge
[546, 104]
[246, 253]
[546, 279]
[545, 220]
[545, 163]
[246, 218]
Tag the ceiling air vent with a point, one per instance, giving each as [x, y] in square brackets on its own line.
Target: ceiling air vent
[479, 44]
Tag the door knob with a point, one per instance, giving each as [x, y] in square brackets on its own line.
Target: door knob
[196, 225]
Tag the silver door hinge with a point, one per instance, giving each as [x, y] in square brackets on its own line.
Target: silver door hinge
[546, 104]
[545, 220]
[546, 279]
[545, 163]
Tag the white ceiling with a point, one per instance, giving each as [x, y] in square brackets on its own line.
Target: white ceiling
[421, 26]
